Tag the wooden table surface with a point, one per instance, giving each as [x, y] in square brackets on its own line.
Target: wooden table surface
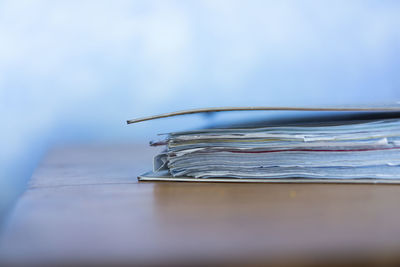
[84, 205]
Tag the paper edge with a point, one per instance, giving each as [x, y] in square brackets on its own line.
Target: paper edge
[156, 177]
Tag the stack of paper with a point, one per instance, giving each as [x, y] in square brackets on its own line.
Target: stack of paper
[348, 151]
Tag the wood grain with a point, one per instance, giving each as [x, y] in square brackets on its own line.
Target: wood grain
[85, 206]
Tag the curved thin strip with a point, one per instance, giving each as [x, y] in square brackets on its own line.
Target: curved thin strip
[219, 109]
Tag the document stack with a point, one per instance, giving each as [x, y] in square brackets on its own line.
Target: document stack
[366, 149]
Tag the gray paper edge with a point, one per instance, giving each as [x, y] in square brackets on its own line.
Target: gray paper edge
[152, 176]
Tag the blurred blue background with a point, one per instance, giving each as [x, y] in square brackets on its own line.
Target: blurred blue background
[74, 71]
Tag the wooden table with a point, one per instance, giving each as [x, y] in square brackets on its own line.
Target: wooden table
[85, 206]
